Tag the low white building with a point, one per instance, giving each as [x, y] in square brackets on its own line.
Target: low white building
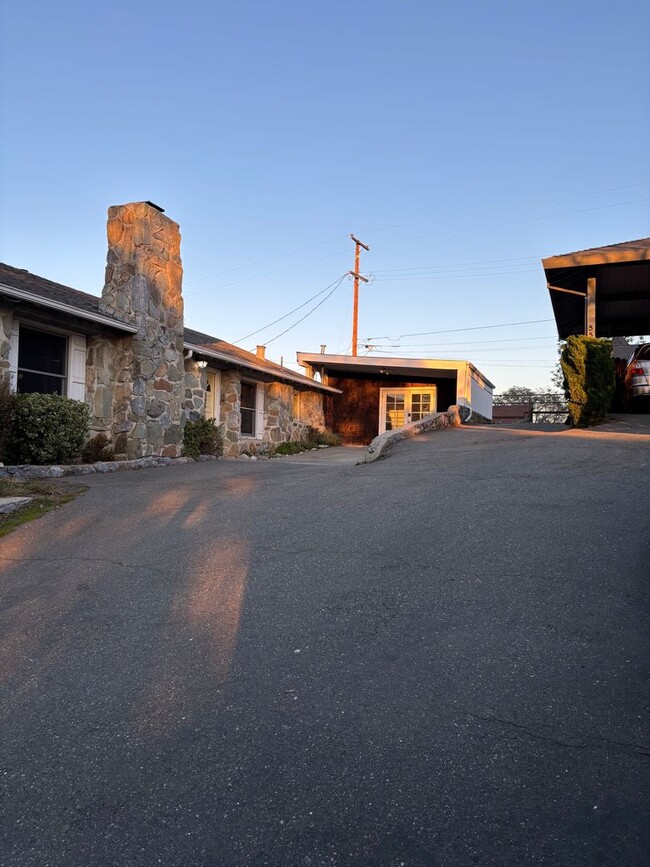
[379, 394]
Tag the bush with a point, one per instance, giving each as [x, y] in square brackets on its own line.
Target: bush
[312, 437]
[7, 410]
[202, 437]
[47, 429]
[98, 448]
[309, 437]
[329, 438]
[289, 448]
[589, 380]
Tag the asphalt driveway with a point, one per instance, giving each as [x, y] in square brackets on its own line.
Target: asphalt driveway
[437, 659]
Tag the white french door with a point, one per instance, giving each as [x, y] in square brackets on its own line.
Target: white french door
[400, 406]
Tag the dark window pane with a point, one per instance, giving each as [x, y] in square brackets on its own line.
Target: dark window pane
[247, 395]
[39, 350]
[28, 383]
[248, 421]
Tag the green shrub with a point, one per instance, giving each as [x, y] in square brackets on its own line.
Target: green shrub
[98, 448]
[289, 448]
[202, 437]
[589, 380]
[47, 429]
[7, 410]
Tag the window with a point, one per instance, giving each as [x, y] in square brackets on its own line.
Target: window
[49, 362]
[247, 406]
[296, 404]
[41, 362]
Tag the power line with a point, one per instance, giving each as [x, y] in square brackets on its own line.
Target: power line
[259, 276]
[457, 330]
[509, 207]
[409, 279]
[309, 312]
[268, 259]
[473, 343]
[407, 225]
[280, 318]
[513, 222]
[482, 262]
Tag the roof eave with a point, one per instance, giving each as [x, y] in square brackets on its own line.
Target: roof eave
[314, 359]
[238, 362]
[596, 257]
[62, 307]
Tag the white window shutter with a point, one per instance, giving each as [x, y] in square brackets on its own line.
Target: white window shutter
[259, 411]
[217, 396]
[77, 367]
[13, 357]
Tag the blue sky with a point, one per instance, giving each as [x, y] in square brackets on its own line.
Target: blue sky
[462, 141]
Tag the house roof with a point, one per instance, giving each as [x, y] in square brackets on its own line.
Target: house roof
[432, 367]
[220, 350]
[622, 274]
[19, 284]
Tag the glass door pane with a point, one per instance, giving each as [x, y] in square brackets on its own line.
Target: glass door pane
[421, 404]
[395, 410]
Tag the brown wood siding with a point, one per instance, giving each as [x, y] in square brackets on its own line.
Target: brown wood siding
[355, 413]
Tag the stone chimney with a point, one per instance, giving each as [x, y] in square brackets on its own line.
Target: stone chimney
[144, 287]
[260, 351]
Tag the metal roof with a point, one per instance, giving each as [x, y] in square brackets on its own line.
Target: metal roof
[622, 273]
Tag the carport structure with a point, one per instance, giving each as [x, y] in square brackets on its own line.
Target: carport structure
[603, 291]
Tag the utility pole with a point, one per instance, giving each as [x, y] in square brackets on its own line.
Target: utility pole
[357, 277]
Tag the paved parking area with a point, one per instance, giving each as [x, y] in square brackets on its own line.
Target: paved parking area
[437, 659]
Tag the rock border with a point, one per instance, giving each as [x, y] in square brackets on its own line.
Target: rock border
[30, 471]
[12, 504]
[379, 447]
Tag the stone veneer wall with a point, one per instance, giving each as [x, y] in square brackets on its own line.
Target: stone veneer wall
[109, 385]
[312, 411]
[230, 414]
[279, 424]
[143, 286]
[195, 381]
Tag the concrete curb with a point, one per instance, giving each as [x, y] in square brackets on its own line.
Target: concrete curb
[436, 421]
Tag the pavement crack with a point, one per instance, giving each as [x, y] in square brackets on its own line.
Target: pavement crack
[67, 560]
[599, 743]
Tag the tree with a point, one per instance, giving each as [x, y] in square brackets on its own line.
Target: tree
[514, 394]
[589, 378]
[547, 406]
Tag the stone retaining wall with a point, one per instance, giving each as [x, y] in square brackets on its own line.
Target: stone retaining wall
[436, 421]
[30, 471]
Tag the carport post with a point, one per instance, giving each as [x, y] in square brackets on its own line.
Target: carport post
[590, 308]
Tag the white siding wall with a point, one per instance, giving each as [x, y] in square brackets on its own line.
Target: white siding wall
[481, 396]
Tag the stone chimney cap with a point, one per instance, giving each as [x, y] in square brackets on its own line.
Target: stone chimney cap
[154, 205]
